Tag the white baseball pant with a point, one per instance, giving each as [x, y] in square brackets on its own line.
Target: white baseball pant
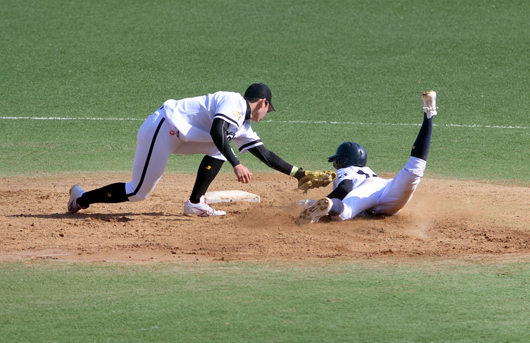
[157, 140]
[382, 196]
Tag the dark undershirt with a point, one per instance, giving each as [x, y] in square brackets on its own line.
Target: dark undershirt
[342, 190]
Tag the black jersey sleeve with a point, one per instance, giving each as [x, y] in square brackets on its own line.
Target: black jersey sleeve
[221, 141]
[271, 159]
[342, 190]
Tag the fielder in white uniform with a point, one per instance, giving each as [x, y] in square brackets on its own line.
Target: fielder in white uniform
[359, 191]
[200, 125]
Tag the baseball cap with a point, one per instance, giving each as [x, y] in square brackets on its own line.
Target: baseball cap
[262, 91]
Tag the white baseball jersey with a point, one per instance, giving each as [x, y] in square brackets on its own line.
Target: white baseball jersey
[357, 174]
[193, 118]
[376, 195]
[183, 127]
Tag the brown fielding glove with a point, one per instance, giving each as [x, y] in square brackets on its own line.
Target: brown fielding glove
[316, 179]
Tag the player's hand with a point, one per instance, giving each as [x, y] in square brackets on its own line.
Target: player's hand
[242, 173]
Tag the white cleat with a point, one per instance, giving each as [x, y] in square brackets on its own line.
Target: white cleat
[314, 213]
[201, 209]
[429, 103]
[75, 193]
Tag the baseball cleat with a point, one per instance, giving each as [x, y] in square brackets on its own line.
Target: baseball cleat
[314, 213]
[201, 209]
[75, 193]
[429, 103]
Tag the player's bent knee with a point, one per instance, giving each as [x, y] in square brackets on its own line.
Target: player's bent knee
[415, 166]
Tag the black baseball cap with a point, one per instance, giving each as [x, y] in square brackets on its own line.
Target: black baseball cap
[262, 91]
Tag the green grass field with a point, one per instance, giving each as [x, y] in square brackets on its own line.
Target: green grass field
[432, 301]
[361, 64]
[339, 70]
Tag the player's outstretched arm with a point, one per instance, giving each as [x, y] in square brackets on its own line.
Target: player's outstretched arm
[276, 162]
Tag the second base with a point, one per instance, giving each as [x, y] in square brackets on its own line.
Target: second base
[230, 196]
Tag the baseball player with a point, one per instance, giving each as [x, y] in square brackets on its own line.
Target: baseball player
[200, 125]
[357, 190]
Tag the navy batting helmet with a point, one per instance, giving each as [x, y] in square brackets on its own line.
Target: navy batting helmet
[349, 154]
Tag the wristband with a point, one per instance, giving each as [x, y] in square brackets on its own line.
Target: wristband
[293, 171]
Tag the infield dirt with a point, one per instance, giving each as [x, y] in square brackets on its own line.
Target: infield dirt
[447, 218]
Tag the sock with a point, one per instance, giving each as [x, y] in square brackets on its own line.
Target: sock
[114, 193]
[208, 170]
[337, 207]
[422, 145]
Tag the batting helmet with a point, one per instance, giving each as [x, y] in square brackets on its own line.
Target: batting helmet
[349, 154]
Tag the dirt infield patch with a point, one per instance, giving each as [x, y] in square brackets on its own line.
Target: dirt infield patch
[445, 218]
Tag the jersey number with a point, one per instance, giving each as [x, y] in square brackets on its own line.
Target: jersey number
[360, 172]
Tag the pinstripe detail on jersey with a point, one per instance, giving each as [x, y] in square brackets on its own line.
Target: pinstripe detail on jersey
[243, 147]
[147, 159]
[227, 119]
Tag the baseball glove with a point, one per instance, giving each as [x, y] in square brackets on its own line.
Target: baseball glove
[316, 179]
